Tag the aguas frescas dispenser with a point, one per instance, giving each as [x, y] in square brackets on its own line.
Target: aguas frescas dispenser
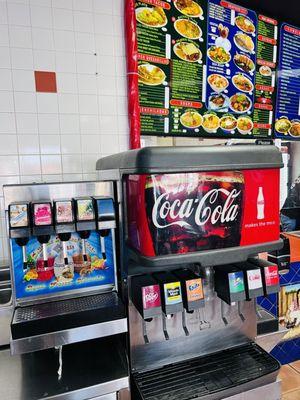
[20, 226]
[190, 218]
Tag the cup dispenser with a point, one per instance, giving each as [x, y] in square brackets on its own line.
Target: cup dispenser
[19, 226]
[43, 228]
[85, 221]
[106, 219]
[64, 223]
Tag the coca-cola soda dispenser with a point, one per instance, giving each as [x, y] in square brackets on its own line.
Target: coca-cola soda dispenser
[189, 219]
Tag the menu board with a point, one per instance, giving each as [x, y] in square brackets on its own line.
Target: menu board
[193, 72]
[287, 125]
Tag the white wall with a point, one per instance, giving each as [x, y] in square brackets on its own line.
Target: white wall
[59, 136]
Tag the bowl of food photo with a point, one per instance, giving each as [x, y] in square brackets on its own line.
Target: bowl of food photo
[294, 130]
[191, 119]
[240, 103]
[189, 8]
[151, 75]
[244, 42]
[218, 55]
[244, 125]
[283, 125]
[187, 29]
[242, 83]
[228, 123]
[244, 24]
[211, 122]
[187, 51]
[218, 82]
[154, 17]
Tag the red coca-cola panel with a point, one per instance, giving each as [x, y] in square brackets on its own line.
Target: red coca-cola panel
[188, 212]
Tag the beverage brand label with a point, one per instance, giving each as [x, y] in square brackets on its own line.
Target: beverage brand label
[18, 216]
[85, 210]
[172, 293]
[194, 290]
[254, 279]
[42, 214]
[192, 212]
[271, 275]
[151, 297]
[236, 282]
[64, 212]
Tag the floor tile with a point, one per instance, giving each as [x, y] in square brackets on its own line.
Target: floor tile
[290, 379]
[296, 366]
[295, 395]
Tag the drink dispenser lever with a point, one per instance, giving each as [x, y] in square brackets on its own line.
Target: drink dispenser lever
[171, 296]
[85, 220]
[43, 225]
[64, 223]
[192, 293]
[20, 226]
[145, 295]
[106, 219]
[230, 288]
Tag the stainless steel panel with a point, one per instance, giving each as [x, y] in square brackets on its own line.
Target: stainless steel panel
[268, 392]
[207, 332]
[5, 320]
[270, 340]
[42, 191]
[90, 370]
[112, 396]
[61, 338]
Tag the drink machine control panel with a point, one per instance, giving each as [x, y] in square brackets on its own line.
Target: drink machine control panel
[42, 216]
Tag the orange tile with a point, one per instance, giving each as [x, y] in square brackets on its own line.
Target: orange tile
[290, 379]
[295, 395]
[45, 81]
[296, 366]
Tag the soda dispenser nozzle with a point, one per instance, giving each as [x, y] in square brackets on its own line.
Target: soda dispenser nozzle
[43, 225]
[145, 295]
[20, 226]
[106, 219]
[85, 220]
[64, 223]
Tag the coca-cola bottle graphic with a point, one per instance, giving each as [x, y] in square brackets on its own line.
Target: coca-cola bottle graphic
[194, 211]
[260, 204]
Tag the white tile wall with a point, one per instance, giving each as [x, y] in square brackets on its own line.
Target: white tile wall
[59, 137]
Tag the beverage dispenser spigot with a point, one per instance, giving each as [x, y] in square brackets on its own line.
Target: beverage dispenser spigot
[106, 219]
[145, 295]
[20, 226]
[171, 296]
[230, 287]
[64, 223]
[192, 293]
[43, 226]
[85, 220]
[270, 275]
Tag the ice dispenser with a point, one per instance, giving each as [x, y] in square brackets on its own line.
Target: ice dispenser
[20, 226]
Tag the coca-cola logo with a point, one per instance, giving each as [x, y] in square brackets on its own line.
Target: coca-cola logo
[204, 210]
[151, 297]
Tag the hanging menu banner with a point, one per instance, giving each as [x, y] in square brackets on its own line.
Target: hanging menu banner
[287, 125]
[193, 71]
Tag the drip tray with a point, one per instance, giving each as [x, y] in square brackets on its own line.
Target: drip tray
[215, 376]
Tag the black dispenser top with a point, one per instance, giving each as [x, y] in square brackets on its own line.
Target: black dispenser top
[64, 216]
[105, 213]
[42, 217]
[19, 220]
[84, 214]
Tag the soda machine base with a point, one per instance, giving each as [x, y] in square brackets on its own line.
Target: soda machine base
[91, 370]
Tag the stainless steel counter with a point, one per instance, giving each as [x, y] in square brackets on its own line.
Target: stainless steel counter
[90, 370]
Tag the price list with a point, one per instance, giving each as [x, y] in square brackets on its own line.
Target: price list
[265, 76]
[287, 123]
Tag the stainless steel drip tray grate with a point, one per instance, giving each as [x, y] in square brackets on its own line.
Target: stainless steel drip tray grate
[61, 315]
[207, 376]
[63, 307]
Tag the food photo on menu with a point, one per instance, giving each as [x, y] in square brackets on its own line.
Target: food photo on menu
[231, 62]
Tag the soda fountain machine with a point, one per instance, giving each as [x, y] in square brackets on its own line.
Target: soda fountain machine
[192, 222]
[68, 330]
